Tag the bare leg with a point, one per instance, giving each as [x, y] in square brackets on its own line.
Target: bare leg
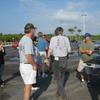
[81, 76]
[43, 68]
[27, 92]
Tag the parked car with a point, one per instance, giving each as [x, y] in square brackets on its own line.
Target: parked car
[15, 44]
[97, 46]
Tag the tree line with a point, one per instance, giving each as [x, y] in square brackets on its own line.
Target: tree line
[75, 35]
[15, 37]
[10, 37]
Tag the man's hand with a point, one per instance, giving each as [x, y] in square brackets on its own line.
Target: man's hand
[34, 67]
[47, 61]
[31, 61]
[89, 52]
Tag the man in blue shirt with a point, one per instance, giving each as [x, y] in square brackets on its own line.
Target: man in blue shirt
[42, 44]
[42, 47]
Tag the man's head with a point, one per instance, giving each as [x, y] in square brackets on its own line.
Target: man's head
[59, 31]
[87, 36]
[40, 34]
[35, 40]
[29, 29]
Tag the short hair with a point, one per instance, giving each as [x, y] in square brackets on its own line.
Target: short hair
[40, 34]
[28, 27]
[59, 30]
[35, 38]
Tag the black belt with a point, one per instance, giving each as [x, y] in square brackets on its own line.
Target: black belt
[25, 63]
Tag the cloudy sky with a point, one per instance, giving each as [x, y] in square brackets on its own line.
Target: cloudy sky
[49, 14]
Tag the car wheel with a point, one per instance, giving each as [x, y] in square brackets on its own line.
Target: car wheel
[99, 47]
[99, 50]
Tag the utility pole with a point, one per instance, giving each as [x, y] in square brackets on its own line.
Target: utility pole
[84, 22]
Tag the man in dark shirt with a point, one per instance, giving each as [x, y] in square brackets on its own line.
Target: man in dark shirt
[2, 54]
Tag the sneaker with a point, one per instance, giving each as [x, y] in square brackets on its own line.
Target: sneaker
[2, 83]
[88, 82]
[44, 75]
[82, 80]
[83, 83]
[35, 88]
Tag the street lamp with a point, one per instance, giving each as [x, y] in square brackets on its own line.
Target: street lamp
[84, 22]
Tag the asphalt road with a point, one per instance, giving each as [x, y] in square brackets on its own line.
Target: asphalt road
[74, 89]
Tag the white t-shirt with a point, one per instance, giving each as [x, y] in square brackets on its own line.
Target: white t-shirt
[60, 46]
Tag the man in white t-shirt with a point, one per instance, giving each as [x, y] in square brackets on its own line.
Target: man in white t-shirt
[27, 64]
[59, 47]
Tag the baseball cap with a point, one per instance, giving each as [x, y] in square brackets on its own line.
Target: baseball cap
[87, 35]
[30, 26]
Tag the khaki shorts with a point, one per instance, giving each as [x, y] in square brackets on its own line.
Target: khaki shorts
[82, 65]
[27, 73]
[42, 55]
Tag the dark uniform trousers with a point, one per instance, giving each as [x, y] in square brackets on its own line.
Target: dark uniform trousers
[59, 69]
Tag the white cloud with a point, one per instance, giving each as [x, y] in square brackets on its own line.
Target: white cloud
[47, 19]
[66, 16]
[72, 11]
[71, 15]
[72, 6]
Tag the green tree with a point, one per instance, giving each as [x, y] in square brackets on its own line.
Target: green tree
[71, 30]
[79, 31]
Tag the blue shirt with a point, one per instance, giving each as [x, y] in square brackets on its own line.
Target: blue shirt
[42, 44]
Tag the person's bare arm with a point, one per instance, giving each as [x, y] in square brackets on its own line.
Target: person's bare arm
[48, 56]
[82, 51]
[88, 52]
[49, 53]
[31, 61]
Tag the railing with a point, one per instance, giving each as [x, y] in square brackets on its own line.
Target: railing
[7, 44]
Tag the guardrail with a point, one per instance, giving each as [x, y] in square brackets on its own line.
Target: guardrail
[7, 44]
